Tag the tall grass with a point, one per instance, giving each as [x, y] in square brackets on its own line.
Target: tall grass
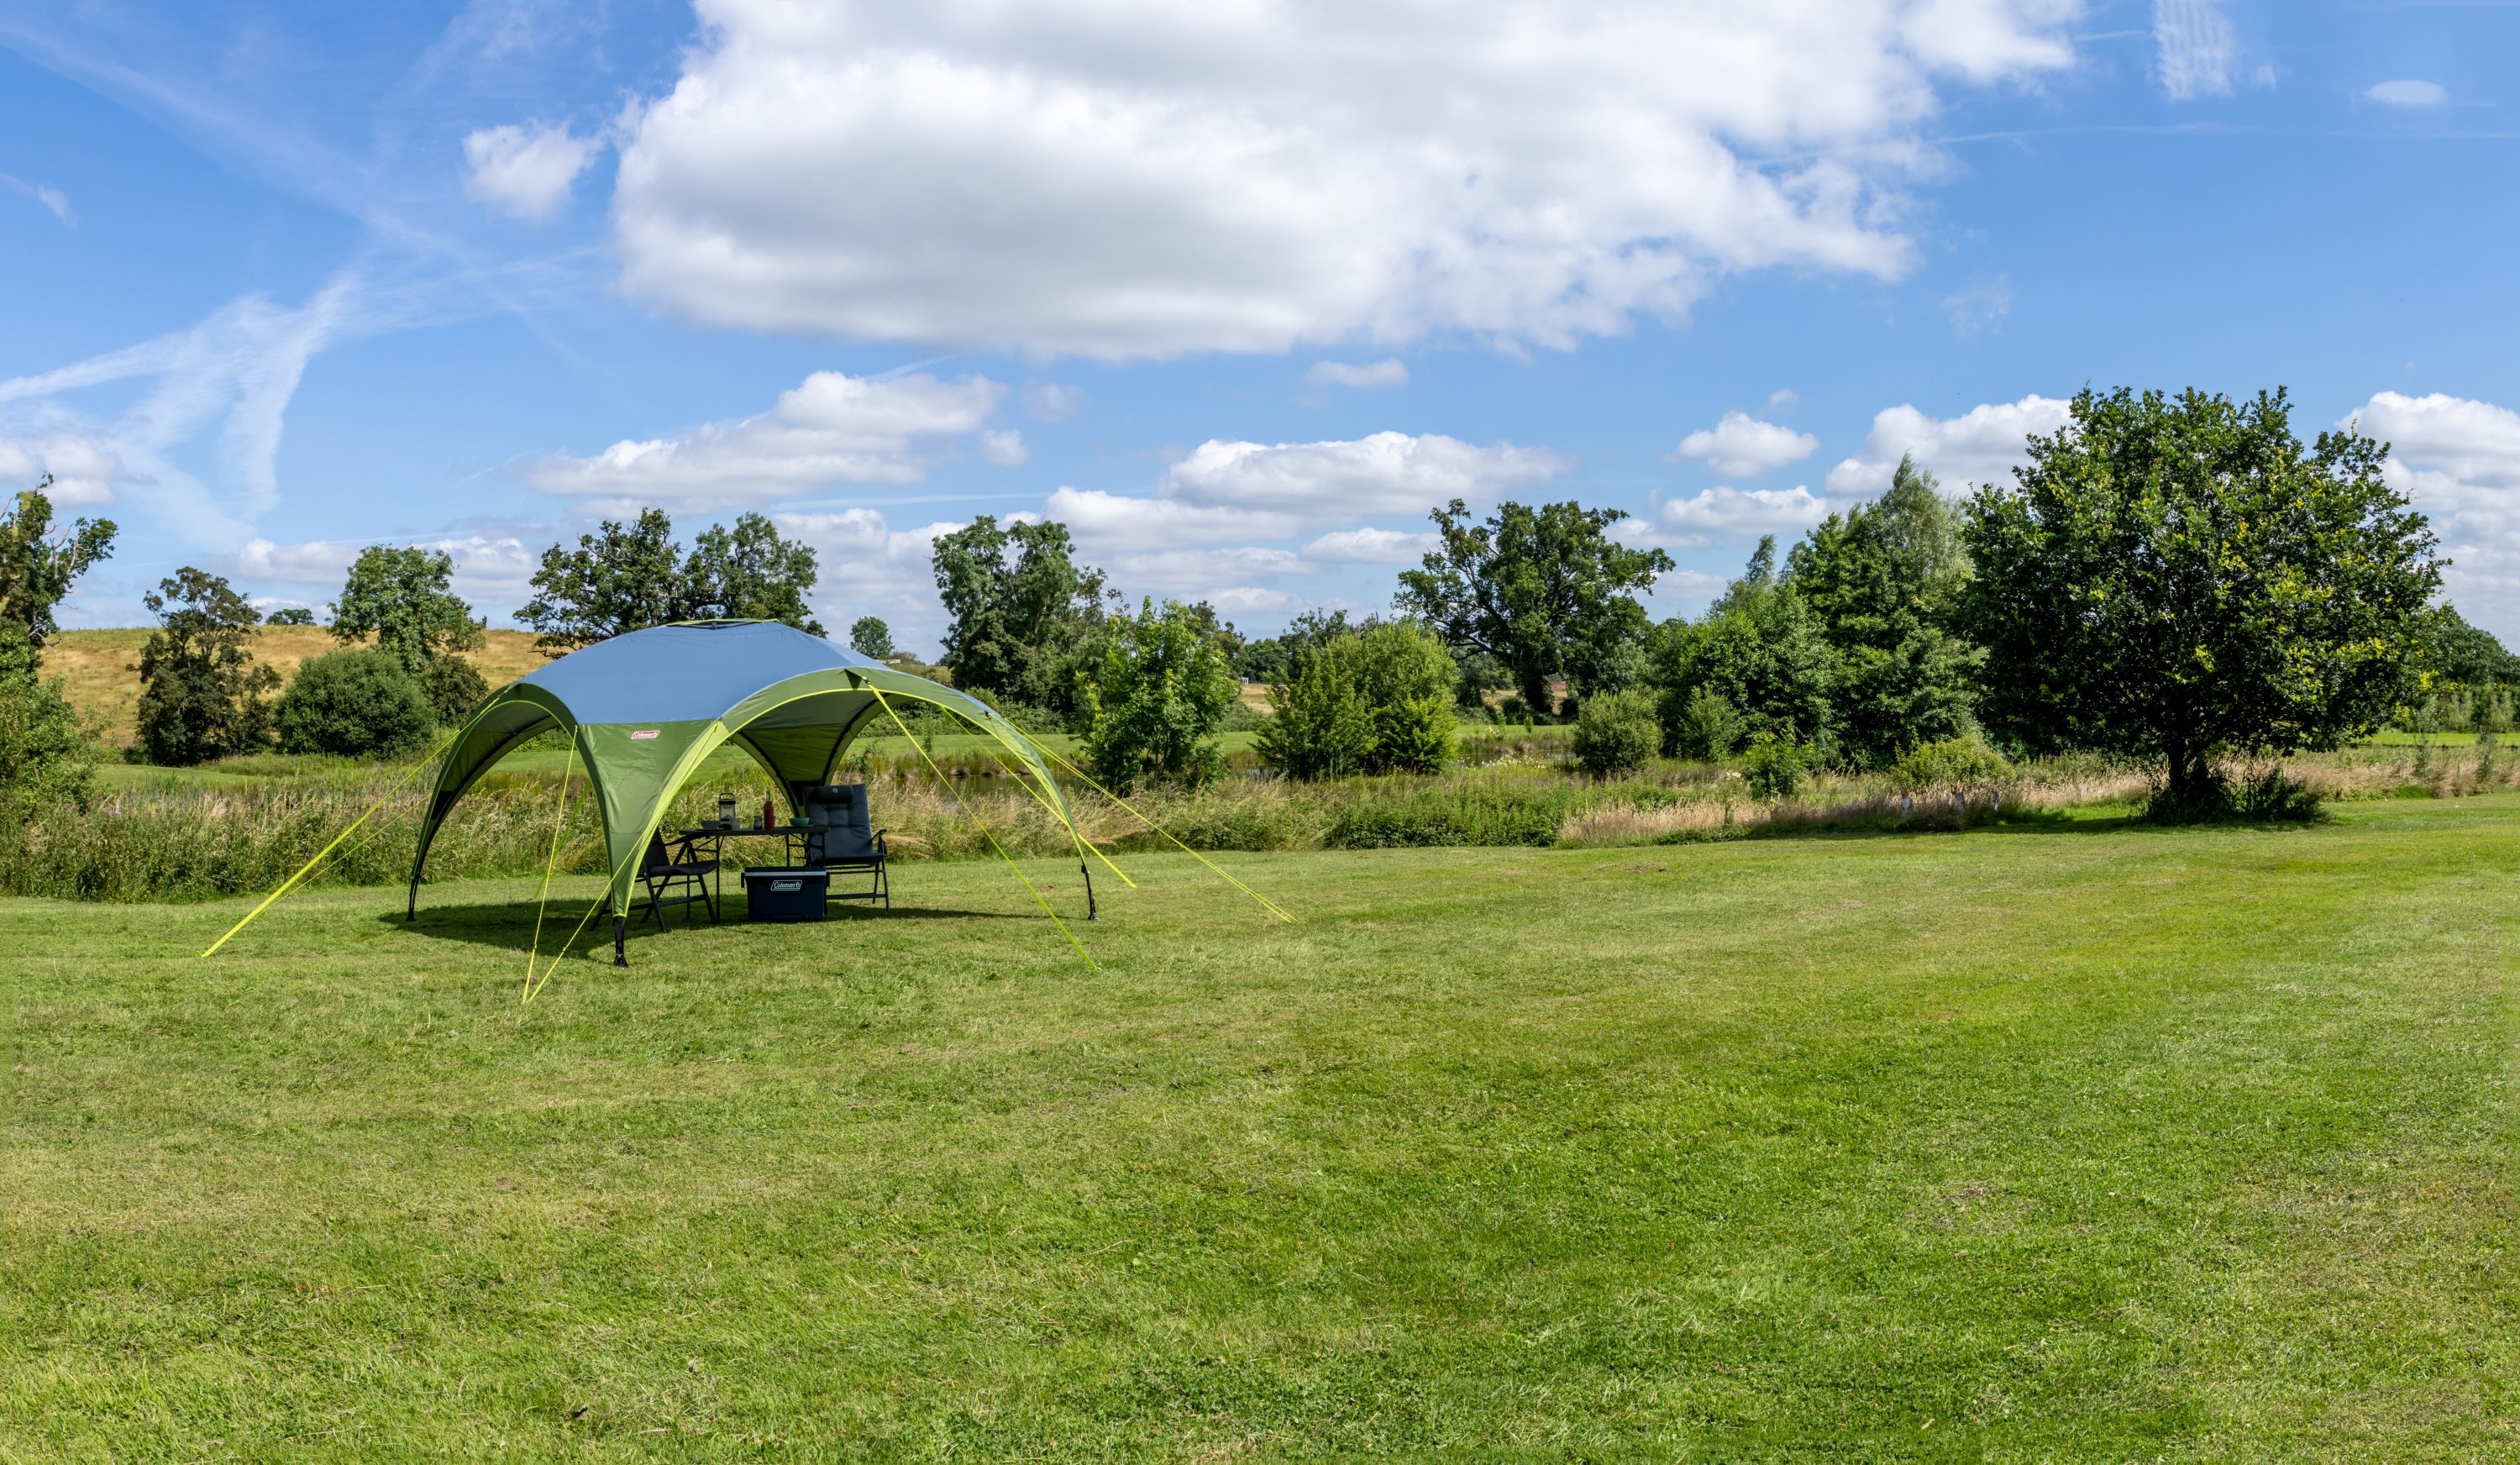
[203, 837]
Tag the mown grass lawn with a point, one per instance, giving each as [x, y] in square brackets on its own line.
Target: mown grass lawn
[2076, 1143]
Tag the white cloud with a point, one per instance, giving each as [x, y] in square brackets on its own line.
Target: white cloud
[1978, 307]
[2408, 93]
[494, 572]
[1004, 447]
[1107, 520]
[1143, 178]
[2460, 461]
[1386, 472]
[1981, 445]
[525, 171]
[1370, 376]
[2198, 48]
[85, 466]
[1370, 547]
[1740, 445]
[869, 568]
[833, 428]
[51, 198]
[1208, 575]
[1723, 509]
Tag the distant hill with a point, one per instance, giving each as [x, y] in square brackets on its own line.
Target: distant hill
[101, 686]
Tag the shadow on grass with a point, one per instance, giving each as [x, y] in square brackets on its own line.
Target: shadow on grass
[509, 924]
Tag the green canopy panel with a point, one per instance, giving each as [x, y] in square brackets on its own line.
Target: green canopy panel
[646, 709]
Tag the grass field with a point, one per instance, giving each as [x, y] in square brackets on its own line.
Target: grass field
[2067, 1143]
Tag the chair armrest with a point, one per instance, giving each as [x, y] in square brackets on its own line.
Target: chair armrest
[878, 842]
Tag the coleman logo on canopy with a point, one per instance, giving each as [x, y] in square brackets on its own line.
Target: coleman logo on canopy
[650, 733]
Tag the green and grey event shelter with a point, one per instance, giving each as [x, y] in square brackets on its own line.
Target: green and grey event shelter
[646, 709]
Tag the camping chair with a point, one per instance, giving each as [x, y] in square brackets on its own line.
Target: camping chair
[665, 873]
[837, 838]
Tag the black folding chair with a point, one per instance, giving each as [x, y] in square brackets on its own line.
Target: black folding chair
[837, 839]
[674, 878]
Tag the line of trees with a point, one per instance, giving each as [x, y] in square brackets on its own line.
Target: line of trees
[2170, 579]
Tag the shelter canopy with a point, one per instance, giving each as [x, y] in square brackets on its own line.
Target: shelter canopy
[646, 709]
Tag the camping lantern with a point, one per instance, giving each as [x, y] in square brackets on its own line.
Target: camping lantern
[726, 810]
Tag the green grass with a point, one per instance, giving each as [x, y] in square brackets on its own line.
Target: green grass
[2082, 1142]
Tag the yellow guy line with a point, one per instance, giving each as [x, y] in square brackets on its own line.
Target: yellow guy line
[1065, 822]
[309, 868]
[959, 807]
[1267, 904]
[532, 986]
[542, 896]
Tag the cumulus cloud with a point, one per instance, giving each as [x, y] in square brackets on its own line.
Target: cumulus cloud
[1053, 403]
[1004, 447]
[2408, 94]
[2196, 47]
[1141, 178]
[1122, 521]
[86, 467]
[493, 571]
[1740, 445]
[525, 171]
[1386, 472]
[1370, 376]
[832, 429]
[1686, 523]
[1370, 547]
[2460, 461]
[1981, 445]
[870, 568]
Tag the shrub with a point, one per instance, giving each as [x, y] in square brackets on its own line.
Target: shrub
[358, 704]
[44, 758]
[1615, 732]
[1700, 725]
[1415, 737]
[2270, 797]
[1156, 699]
[1777, 766]
[1959, 764]
[1318, 725]
[454, 687]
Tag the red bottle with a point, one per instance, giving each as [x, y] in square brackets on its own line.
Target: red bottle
[768, 816]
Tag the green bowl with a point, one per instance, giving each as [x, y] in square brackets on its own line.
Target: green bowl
[800, 823]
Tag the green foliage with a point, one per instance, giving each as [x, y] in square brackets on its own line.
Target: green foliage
[1880, 579]
[45, 757]
[626, 578]
[1699, 723]
[2176, 578]
[453, 686]
[201, 693]
[404, 598]
[1020, 609]
[1273, 661]
[1318, 726]
[1544, 592]
[1777, 764]
[290, 615]
[869, 636]
[1760, 648]
[1375, 701]
[355, 703]
[37, 569]
[2464, 656]
[1616, 733]
[1949, 764]
[1156, 698]
[750, 572]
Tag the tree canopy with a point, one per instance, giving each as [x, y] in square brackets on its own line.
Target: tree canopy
[2176, 578]
[1155, 697]
[629, 577]
[1543, 590]
[38, 566]
[201, 693]
[1019, 607]
[403, 598]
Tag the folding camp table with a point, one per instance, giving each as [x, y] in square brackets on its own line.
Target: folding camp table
[792, 840]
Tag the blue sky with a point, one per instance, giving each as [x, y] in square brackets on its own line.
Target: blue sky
[1236, 290]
